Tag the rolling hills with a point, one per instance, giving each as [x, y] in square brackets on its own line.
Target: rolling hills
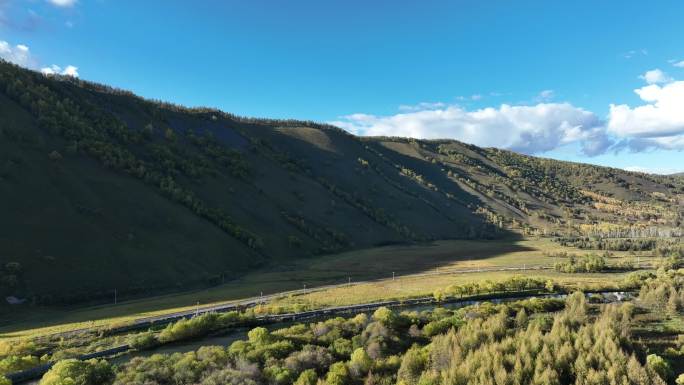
[104, 190]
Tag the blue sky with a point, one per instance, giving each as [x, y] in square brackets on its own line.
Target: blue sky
[533, 76]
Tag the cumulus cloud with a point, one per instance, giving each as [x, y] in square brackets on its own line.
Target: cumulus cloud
[21, 55]
[18, 54]
[659, 122]
[62, 3]
[678, 64]
[70, 71]
[655, 76]
[57, 70]
[528, 129]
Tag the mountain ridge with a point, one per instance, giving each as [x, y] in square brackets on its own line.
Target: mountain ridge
[106, 189]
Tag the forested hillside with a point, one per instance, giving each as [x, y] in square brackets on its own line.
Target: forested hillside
[102, 189]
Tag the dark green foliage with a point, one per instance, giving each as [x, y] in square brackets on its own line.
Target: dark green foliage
[590, 263]
[625, 244]
[513, 284]
[10, 276]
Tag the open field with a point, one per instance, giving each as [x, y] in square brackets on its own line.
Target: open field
[417, 286]
[376, 264]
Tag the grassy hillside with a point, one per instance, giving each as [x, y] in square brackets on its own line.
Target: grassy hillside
[104, 190]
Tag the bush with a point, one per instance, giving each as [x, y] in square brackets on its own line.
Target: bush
[16, 363]
[259, 336]
[360, 362]
[143, 340]
[659, 365]
[385, 316]
[587, 264]
[278, 375]
[75, 372]
[338, 374]
[307, 377]
[196, 326]
[412, 366]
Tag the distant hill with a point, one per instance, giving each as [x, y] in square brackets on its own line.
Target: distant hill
[102, 189]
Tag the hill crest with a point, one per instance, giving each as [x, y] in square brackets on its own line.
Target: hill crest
[106, 189]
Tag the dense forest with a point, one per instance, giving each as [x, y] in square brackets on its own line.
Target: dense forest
[162, 197]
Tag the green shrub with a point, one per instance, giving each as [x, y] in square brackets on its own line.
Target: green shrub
[659, 365]
[338, 374]
[75, 372]
[360, 362]
[307, 377]
[412, 365]
[142, 341]
[259, 336]
[680, 379]
[16, 363]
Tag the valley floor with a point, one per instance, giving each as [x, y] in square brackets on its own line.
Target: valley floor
[418, 271]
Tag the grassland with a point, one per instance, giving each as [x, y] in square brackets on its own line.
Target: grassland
[410, 263]
[418, 286]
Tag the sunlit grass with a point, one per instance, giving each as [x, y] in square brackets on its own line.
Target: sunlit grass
[377, 264]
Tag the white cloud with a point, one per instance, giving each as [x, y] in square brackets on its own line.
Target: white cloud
[546, 95]
[655, 76]
[473, 97]
[70, 71]
[656, 123]
[57, 70]
[422, 106]
[679, 64]
[18, 54]
[52, 70]
[659, 122]
[62, 3]
[638, 169]
[529, 129]
[632, 53]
